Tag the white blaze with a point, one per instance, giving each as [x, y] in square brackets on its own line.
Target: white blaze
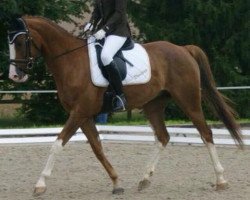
[12, 51]
[13, 70]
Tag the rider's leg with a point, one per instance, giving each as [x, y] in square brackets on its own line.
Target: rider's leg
[111, 46]
[116, 83]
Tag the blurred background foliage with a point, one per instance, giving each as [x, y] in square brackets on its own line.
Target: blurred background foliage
[220, 27]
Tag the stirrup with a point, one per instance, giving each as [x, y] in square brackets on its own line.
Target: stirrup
[120, 103]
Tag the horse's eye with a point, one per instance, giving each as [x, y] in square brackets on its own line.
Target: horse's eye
[18, 44]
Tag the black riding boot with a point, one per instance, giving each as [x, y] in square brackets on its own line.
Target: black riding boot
[116, 82]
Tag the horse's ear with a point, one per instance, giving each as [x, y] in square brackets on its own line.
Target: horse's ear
[16, 16]
[7, 19]
[16, 24]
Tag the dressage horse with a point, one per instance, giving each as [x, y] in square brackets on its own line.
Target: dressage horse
[178, 72]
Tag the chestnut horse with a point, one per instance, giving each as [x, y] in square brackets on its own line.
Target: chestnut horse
[178, 72]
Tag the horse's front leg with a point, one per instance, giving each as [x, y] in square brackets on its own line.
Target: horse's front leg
[89, 129]
[69, 129]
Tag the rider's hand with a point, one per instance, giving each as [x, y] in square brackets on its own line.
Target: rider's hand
[88, 27]
[100, 34]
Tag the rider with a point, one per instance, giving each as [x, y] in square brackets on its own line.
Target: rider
[109, 21]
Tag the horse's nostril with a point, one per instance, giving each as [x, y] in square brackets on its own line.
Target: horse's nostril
[15, 77]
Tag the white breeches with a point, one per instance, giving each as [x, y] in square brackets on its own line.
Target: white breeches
[112, 44]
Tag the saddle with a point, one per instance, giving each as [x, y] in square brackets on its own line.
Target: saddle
[119, 58]
[133, 65]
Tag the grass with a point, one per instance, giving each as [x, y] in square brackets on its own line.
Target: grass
[116, 119]
[14, 122]
[138, 119]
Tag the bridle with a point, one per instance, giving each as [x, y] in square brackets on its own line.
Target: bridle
[29, 60]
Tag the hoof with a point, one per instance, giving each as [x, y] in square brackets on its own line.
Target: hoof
[39, 191]
[118, 191]
[143, 184]
[222, 186]
[151, 173]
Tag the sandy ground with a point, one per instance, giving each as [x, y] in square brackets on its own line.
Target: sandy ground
[183, 173]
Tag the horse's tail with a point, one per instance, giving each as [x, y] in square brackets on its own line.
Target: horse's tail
[213, 96]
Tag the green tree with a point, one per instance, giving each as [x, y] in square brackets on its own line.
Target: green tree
[220, 27]
[41, 107]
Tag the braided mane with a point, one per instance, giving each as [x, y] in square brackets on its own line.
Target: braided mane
[49, 21]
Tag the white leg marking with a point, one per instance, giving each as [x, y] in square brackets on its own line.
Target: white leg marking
[56, 149]
[219, 170]
[12, 70]
[153, 161]
[12, 51]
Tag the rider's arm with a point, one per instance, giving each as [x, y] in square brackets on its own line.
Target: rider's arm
[96, 15]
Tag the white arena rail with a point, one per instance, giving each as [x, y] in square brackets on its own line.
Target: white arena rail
[55, 91]
[118, 133]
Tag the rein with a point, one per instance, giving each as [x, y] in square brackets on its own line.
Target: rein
[70, 51]
[84, 35]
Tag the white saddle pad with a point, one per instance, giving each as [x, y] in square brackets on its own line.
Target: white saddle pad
[140, 73]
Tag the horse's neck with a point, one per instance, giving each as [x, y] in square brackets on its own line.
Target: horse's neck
[54, 40]
[55, 44]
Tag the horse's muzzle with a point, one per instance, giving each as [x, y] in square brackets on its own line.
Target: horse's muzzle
[17, 75]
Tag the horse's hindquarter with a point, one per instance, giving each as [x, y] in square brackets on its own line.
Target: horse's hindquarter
[172, 66]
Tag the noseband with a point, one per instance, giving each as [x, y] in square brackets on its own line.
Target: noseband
[29, 60]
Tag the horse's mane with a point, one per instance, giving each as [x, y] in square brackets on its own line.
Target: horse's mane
[49, 21]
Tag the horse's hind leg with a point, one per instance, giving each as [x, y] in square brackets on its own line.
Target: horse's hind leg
[190, 103]
[92, 134]
[154, 111]
[69, 129]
